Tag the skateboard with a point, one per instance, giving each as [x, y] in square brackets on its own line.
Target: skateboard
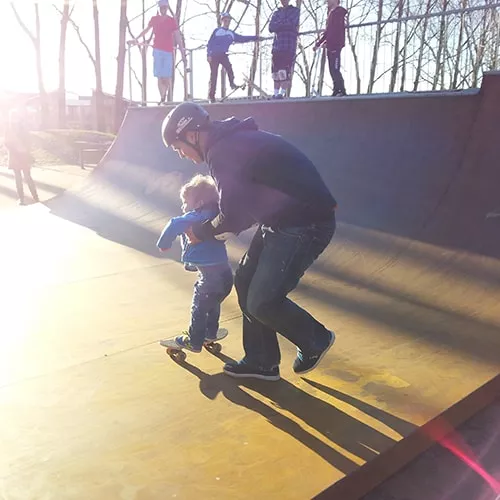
[178, 354]
[239, 87]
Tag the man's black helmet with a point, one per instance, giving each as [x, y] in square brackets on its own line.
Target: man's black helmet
[186, 117]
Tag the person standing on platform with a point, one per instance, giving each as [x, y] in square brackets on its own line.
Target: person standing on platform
[284, 23]
[166, 36]
[333, 39]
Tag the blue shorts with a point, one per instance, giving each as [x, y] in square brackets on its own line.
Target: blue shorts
[162, 63]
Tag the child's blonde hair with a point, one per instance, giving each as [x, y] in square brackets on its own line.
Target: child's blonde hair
[201, 189]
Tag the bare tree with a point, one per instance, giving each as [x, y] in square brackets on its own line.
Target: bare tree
[99, 96]
[36, 41]
[95, 58]
[256, 47]
[395, 62]
[61, 101]
[376, 46]
[120, 72]
[423, 38]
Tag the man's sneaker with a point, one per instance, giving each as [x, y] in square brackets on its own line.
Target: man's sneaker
[339, 93]
[278, 96]
[180, 342]
[306, 362]
[241, 369]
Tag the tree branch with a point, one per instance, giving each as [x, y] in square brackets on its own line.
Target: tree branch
[21, 23]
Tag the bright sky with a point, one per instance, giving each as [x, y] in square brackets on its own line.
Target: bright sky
[18, 64]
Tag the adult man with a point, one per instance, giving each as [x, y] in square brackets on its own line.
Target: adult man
[284, 24]
[262, 179]
[218, 45]
[166, 35]
[334, 40]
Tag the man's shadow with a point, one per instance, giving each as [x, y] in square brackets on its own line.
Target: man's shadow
[335, 425]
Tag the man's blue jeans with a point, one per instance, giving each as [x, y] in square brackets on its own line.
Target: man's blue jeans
[213, 286]
[267, 273]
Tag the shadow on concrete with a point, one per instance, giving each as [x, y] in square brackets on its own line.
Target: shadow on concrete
[337, 427]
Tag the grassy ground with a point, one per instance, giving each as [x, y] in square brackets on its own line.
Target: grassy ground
[59, 147]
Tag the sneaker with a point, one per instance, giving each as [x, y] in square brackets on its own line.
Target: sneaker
[161, 103]
[180, 342]
[241, 369]
[278, 96]
[21, 203]
[306, 362]
[339, 93]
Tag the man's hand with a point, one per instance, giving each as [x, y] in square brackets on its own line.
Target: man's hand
[209, 59]
[164, 249]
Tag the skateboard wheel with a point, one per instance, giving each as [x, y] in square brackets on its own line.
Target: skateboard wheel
[214, 347]
[181, 356]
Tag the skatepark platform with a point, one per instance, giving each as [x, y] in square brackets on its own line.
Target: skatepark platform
[92, 408]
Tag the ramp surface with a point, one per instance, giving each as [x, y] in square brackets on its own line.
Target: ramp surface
[411, 284]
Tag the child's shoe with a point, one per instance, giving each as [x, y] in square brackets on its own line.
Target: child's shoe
[180, 342]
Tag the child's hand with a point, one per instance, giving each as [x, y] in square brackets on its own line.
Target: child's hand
[191, 237]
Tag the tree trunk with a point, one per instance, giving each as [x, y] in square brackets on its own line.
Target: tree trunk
[395, 62]
[36, 41]
[120, 74]
[480, 50]
[144, 61]
[440, 50]
[61, 101]
[100, 112]
[423, 38]
[256, 48]
[376, 46]
[405, 49]
[352, 44]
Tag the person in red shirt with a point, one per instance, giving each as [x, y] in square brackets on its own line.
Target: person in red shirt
[333, 39]
[166, 36]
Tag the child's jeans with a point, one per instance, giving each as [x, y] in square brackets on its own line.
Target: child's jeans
[213, 286]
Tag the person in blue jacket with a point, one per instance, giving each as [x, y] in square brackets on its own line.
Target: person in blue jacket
[215, 278]
[262, 180]
[218, 45]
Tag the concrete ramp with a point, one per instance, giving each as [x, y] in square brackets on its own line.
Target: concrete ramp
[411, 285]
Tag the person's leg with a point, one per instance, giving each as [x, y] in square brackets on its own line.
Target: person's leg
[214, 70]
[223, 289]
[19, 186]
[285, 256]
[31, 184]
[211, 286]
[287, 64]
[275, 75]
[226, 64]
[259, 341]
[334, 67]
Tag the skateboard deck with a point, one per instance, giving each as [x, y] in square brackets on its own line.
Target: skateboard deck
[239, 87]
[177, 353]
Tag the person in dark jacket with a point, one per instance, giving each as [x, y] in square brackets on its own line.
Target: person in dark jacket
[334, 40]
[218, 45]
[262, 180]
[17, 143]
[215, 278]
[284, 23]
